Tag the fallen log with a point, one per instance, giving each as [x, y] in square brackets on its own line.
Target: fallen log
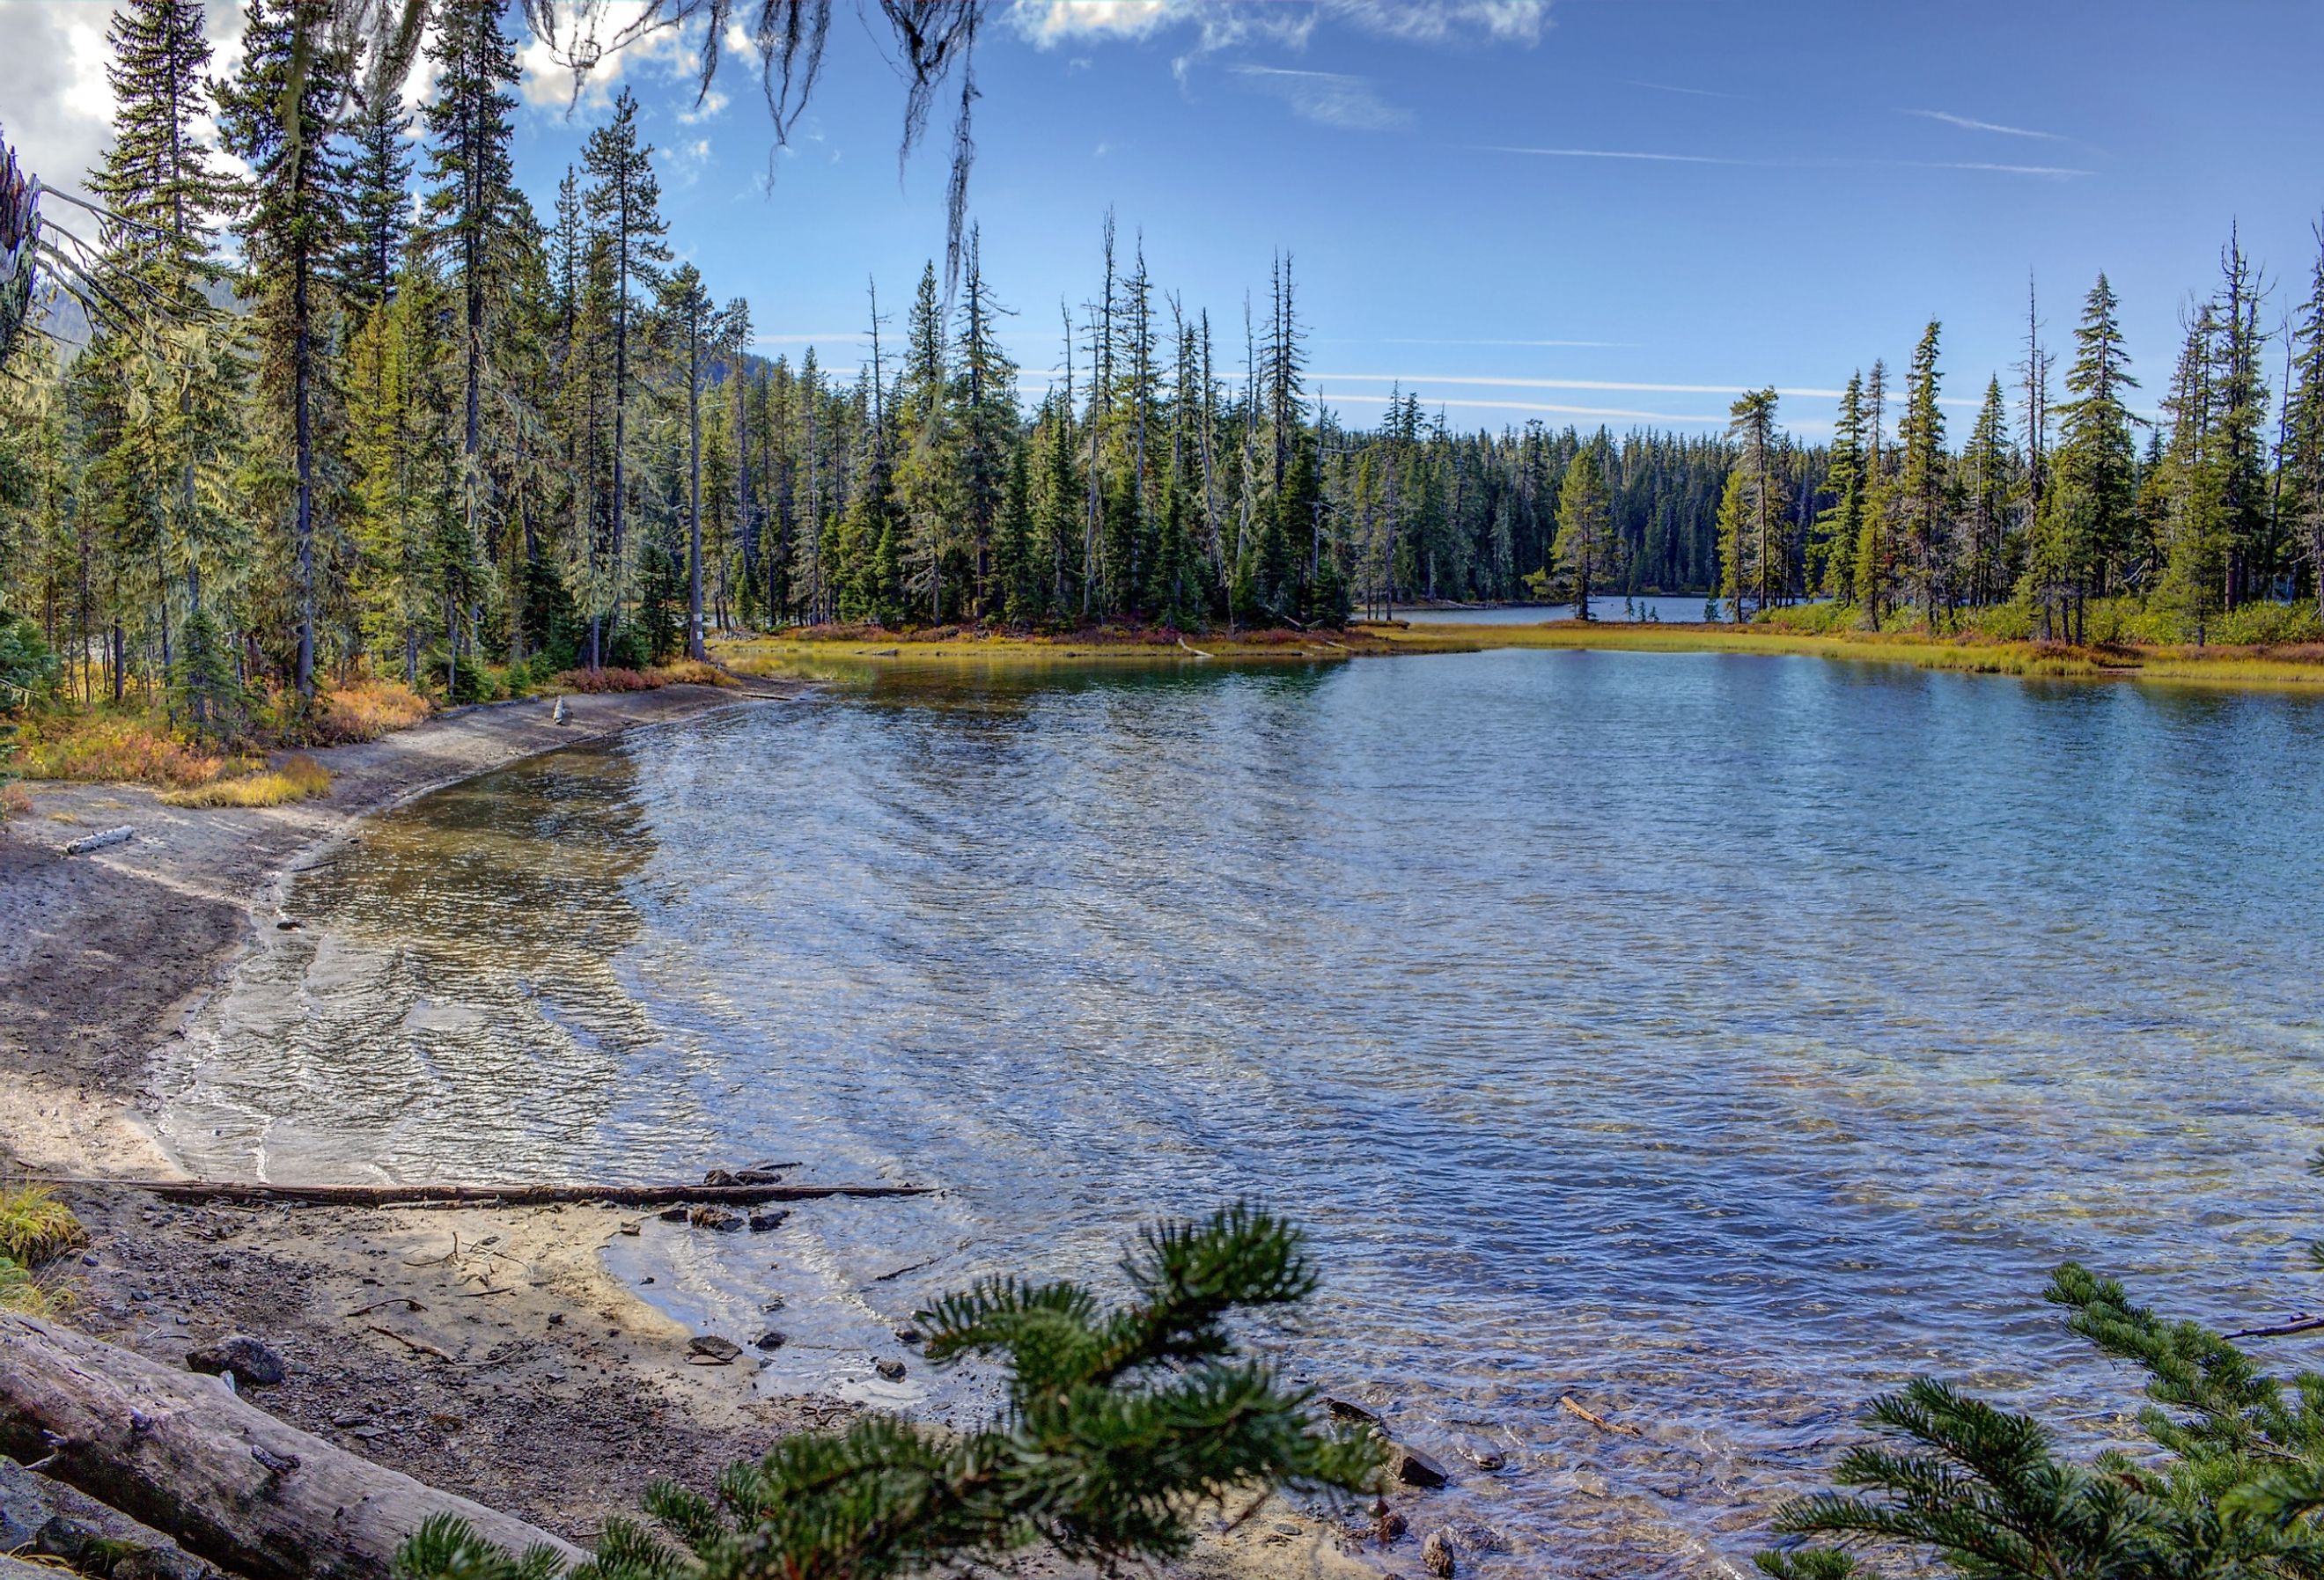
[229, 1481]
[465, 1195]
[89, 842]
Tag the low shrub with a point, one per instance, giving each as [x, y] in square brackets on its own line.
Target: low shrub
[692, 673]
[2269, 624]
[610, 680]
[1820, 619]
[35, 1227]
[364, 710]
[111, 747]
[14, 801]
[299, 778]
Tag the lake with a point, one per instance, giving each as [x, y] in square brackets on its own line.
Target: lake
[1617, 609]
[1709, 1038]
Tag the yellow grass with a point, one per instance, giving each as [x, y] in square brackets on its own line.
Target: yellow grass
[2284, 666]
[35, 1227]
[693, 672]
[299, 779]
[766, 655]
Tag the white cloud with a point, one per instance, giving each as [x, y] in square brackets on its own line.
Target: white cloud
[1967, 124]
[1431, 21]
[1328, 98]
[549, 80]
[1221, 24]
[2054, 171]
[55, 105]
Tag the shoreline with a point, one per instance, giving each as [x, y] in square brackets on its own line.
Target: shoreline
[488, 1351]
[2295, 669]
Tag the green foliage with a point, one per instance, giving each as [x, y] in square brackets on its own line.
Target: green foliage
[28, 668]
[2226, 1485]
[1119, 1424]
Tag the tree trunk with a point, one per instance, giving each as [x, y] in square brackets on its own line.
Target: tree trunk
[229, 1481]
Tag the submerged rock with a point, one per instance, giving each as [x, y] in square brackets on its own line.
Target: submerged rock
[722, 1220]
[241, 1357]
[770, 1340]
[763, 1221]
[893, 1370]
[1415, 1469]
[1436, 1555]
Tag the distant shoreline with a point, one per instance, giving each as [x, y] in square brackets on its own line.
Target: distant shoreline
[2293, 667]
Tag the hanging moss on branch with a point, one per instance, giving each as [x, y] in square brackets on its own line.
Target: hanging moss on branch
[1120, 1426]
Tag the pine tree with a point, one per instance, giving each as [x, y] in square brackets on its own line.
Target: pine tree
[474, 218]
[2227, 1484]
[1988, 467]
[689, 330]
[625, 201]
[1753, 549]
[161, 181]
[2091, 500]
[2303, 463]
[1836, 529]
[1922, 487]
[277, 115]
[1584, 526]
[378, 210]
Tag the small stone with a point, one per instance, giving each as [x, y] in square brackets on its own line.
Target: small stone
[674, 1214]
[709, 1350]
[1415, 1469]
[1486, 1458]
[1344, 1410]
[907, 1334]
[717, 1218]
[775, 1304]
[241, 1357]
[718, 1176]
[557, 1319]
[893, 1370]
[763, 1221]
[770, 1340]
[286, 926]
[1436, 1554]
[629, 1228]
[1390, 1525]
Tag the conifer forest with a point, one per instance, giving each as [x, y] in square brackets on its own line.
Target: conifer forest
[346, 431]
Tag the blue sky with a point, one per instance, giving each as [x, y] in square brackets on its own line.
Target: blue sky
[1612, 210]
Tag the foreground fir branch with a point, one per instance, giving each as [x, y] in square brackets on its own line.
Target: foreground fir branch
[2227, 1487]
[1120, 1426]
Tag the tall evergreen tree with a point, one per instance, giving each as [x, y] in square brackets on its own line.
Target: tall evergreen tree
[472, 216]
[277, 114]
[625, 201]
[1922, 487]
[1584, 526]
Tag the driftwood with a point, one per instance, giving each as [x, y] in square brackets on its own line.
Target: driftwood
[88, 842]
[2282, 1329]
[229, 1481]
[465, 1195]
